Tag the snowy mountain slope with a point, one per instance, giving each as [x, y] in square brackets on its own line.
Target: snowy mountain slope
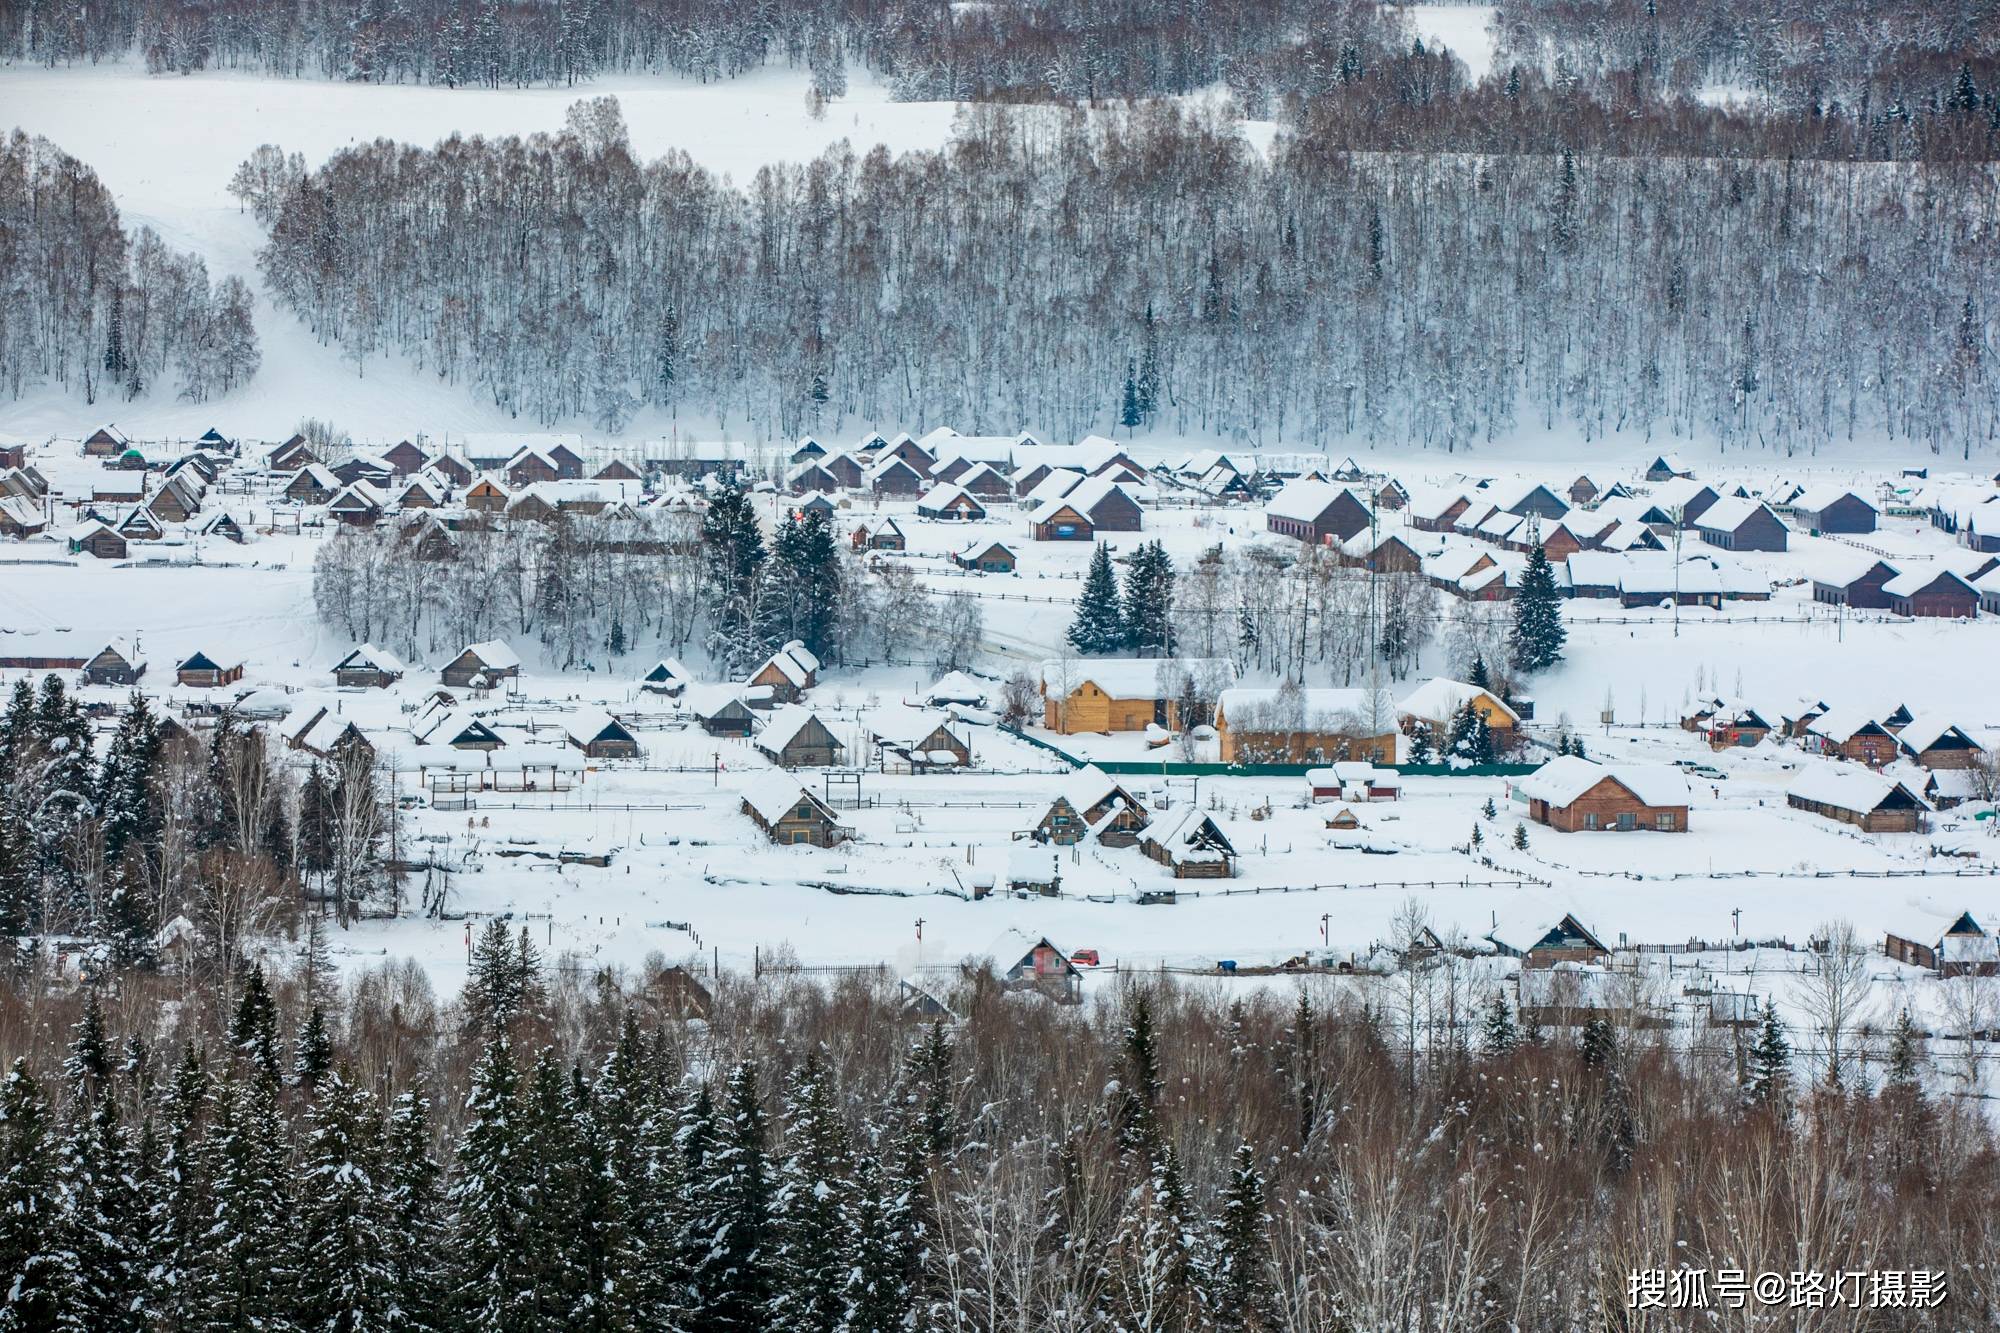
[167, 147]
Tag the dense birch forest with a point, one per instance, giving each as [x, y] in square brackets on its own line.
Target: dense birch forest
[563, 1147]
[107, 313]
[1767, 296]
[1853, 52]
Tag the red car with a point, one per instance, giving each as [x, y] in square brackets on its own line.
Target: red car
[1084, 958]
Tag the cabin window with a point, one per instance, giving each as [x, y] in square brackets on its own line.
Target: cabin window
[803, 812]
[1667, 821]
[1590, 821]
[1627, 822]
[800, 835]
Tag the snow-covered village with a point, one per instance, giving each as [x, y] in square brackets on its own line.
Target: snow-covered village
[630, 707]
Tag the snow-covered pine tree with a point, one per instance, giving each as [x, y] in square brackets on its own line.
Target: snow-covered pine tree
[126, 805]
[1099, 626]
[253, 1034]
[1499, 1036]
[1148, 606]
[414, 1227]
[491, 1278]
[494, 992]
[1479, 676]
[1769, 1085]
[551, 1229]
[244, 1267]
[1138, 1095]
[1598, 1044]
[877, 1289]
[1536, 642]
[1242, 1289]
[312, 1052]
[814, 1253]
[604, 1261]
[340, 1230]
[34, 1254]
[732, 547]
[928, 1073]
[177, 1217]
[1129, 412]
[735, 1281]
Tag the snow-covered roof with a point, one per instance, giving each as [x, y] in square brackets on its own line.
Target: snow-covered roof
[955, 687]
[1730, 514]
[1440, 697]
[495, 653]
[1816, 498]
[901, 724]
[783, 726]
[1843, 723]
[1563, 779]
[1677, 492]
[1847, 787]
[1303, 501]
[709, 700]
[947, 493]
[669, 669]
[1926, 729]
[774, 793]
[1915, 580]
[1127, 677]
[1058, 483]
[794, 662]
[584, 725]
[368, 655]
[1084, 497]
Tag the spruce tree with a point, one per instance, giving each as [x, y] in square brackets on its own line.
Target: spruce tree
[414, 1226]
[1099, 626]
[815, 1241]
[552, 1226]
[1538, 635]
[493, 996]
[1242, 1287]
[178, 1217]
[244, 1266]
[1770, 1082]
[735, 1279]
[1147, 611]
[40, 1268]
[1422, 748]
[877, 1291]
[733, 556]
[1598, 1046]
[254, 1032]
[603, 1261]
[1138, 1096]
[312, 1053]
[1129, 413]
[1905, 1073]
[491, 1270]
[1500, 1036]
[1479, 677]
[340, 1231]
[1520, 836]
